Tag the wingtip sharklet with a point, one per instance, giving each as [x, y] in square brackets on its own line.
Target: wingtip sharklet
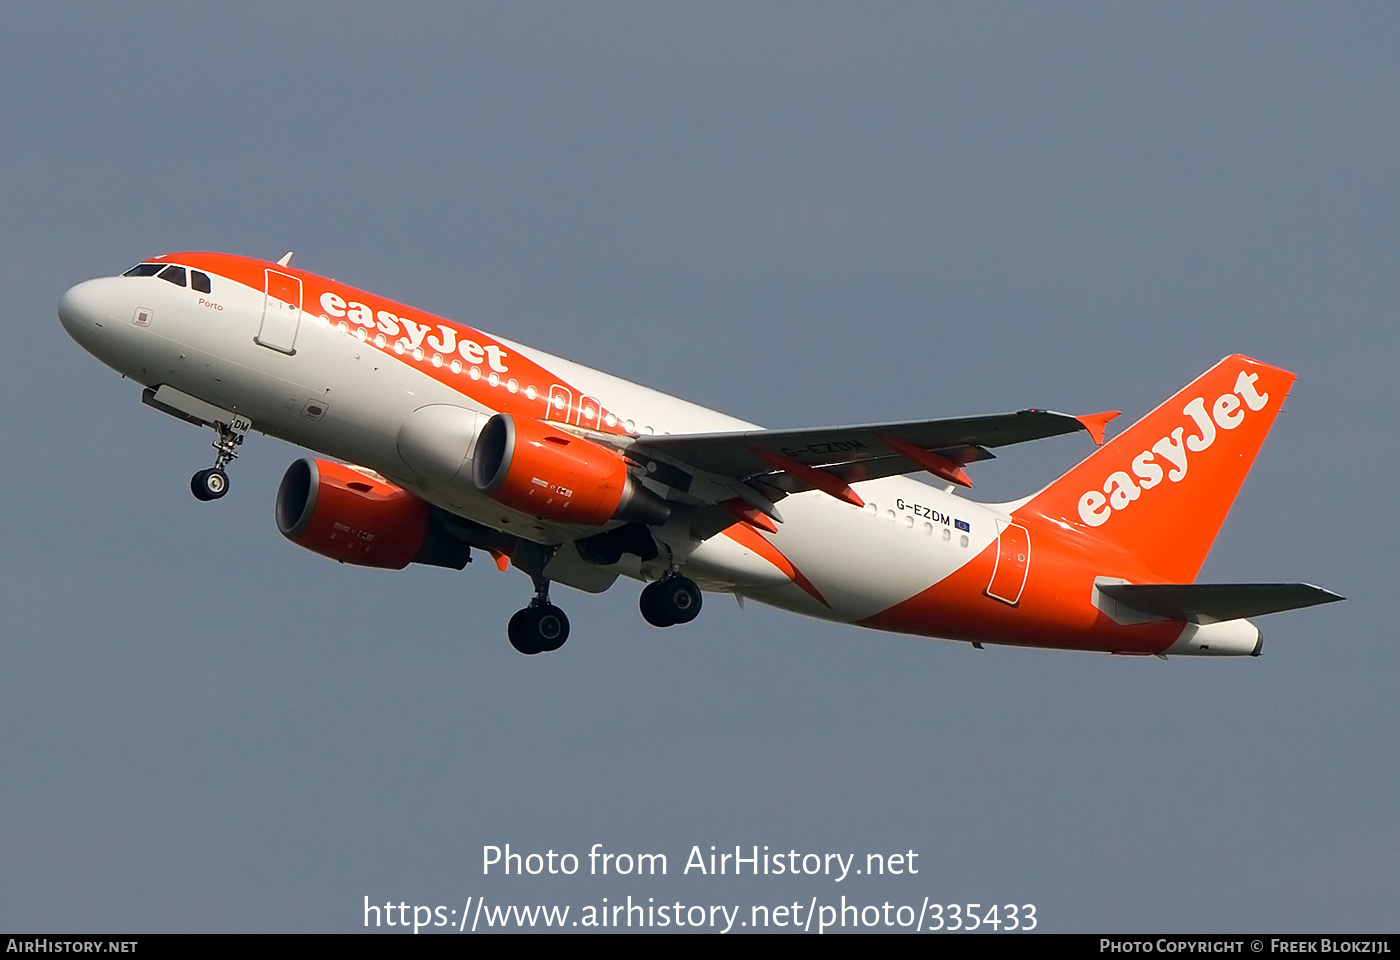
[1096, 422]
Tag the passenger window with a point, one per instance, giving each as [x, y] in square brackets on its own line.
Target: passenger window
[200, 281]
[144, 270]
[175, 275]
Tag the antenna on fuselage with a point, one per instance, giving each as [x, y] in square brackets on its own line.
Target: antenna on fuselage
[286, 259]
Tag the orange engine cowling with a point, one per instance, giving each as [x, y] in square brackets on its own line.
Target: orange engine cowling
[350, 516]
[530, 466]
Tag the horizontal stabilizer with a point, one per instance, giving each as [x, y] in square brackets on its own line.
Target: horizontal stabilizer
[1212, 602]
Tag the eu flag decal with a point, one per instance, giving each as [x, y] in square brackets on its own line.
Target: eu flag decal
[963, 525]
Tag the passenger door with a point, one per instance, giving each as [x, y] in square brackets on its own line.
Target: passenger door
[1012, 564]
[281, 313]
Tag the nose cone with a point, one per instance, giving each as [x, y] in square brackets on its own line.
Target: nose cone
[83, 311]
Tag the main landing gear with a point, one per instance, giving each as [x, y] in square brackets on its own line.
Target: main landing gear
[212, 484]
[541, 627]
[671, 600]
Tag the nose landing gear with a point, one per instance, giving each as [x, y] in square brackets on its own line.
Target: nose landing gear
[672, 600]
[212, 484]
[209, 484]
[541, 627]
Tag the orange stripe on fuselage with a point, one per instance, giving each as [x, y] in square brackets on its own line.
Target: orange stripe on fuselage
[449, 336]
[1055, 609]
[747, 536]
[1145, 507]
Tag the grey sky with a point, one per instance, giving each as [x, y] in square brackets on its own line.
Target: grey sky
[799, 214]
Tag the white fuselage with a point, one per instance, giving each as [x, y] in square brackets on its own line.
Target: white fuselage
[862, 560]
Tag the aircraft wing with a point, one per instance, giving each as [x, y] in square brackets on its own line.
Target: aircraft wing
[1211, 602]
[792, 461]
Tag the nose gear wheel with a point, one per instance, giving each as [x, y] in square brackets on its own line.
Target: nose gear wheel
[212, 484]
[209, 484]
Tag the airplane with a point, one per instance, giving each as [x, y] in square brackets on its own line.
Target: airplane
[445, 440]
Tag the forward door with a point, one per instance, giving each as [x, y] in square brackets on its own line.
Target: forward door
[281, 312]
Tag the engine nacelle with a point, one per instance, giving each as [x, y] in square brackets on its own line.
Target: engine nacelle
[354, 517]
[552, 475]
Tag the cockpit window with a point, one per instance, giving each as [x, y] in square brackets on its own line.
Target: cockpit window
[175, 275]
[144, 270]
[200, 281]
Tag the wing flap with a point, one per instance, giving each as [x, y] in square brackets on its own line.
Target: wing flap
[1212, 602]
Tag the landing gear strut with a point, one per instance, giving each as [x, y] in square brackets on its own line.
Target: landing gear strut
[671, 600]
[541, 627]
[212, 484]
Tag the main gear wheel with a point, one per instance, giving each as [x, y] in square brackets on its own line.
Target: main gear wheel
[670, 601]
[539, 628]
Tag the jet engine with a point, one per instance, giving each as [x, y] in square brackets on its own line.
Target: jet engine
[530, 466]
[356, 517]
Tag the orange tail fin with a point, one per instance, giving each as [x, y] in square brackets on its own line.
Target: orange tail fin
[1162, 488]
